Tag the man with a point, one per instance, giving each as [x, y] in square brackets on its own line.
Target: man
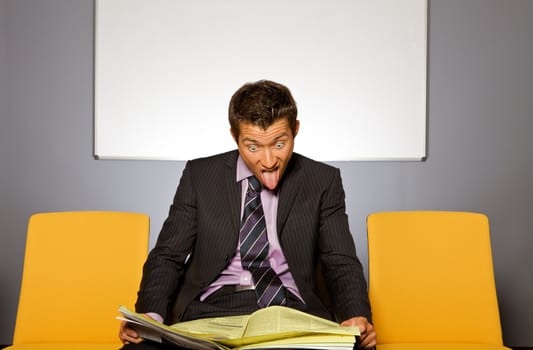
[201, 265]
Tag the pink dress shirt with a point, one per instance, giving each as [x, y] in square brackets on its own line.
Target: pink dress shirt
[234, 274]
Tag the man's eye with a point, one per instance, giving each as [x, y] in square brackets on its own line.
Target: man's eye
[252, 148]
[280, 145]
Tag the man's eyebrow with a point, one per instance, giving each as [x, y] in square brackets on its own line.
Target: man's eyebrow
[282, 135]
[247, 139]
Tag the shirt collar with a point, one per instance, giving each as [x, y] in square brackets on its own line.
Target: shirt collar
[242, 170]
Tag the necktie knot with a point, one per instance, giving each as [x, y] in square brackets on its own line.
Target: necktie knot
[254, 184]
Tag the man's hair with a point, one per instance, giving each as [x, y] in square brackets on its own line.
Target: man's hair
[262, 103]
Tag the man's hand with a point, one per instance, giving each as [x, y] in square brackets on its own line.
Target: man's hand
[367, 339]
[127, 334]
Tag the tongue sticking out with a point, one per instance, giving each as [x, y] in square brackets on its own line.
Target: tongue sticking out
[270, 179]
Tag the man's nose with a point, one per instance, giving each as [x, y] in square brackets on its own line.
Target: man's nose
[269, 161]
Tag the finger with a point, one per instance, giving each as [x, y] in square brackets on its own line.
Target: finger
[359, 322]
[348, 323]
[362, 327]
[366, 335]
[128, 334]
[133, 340]
[126, 339]
[367, 339]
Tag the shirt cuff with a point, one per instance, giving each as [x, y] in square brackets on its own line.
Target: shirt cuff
[155, 316]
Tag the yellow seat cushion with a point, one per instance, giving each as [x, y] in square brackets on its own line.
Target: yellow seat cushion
[79, 267]
[431, 280]
[439, 346]
[66, 346]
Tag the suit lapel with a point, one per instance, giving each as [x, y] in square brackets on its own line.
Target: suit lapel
[233, 190]
[288, 190]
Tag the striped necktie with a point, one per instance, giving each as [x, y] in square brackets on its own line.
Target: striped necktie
[254, 249]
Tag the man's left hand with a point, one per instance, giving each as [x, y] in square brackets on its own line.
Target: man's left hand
[367, 339]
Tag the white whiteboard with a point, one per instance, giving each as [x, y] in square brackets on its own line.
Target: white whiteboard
[166, 69]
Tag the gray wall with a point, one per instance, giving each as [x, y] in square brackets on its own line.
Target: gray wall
[480, 103]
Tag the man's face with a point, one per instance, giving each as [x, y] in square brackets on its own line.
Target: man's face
[267, 152]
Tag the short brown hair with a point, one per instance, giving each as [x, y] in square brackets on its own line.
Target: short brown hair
[262, 103]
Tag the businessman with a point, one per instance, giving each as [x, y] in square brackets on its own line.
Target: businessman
[254, 227]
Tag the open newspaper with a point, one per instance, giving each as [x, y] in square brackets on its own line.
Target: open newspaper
[268, 328]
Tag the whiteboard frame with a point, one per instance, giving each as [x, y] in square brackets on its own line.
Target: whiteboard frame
[114, 63]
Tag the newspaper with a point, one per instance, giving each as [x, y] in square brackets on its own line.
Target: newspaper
[271, 327]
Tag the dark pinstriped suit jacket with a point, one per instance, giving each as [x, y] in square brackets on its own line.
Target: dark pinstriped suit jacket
[204, 221]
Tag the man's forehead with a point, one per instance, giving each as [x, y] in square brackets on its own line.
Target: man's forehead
[274, 131]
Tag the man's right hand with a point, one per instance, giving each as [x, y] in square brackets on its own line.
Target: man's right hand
[127, 334]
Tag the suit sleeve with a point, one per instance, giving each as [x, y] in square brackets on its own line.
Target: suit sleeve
[342, 269]
[165, 265]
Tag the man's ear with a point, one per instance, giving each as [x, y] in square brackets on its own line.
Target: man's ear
[297, 127]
